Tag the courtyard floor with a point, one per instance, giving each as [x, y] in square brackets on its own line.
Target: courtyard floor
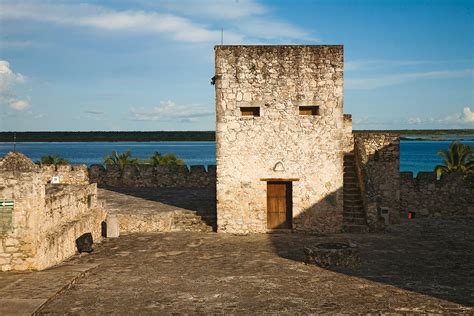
[425, 265]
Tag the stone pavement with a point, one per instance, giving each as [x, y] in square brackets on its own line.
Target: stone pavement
[425, 265]
[22, 293]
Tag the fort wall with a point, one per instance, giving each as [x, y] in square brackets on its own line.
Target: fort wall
[77, 174]
[377, 157]
[429, 197]
[148, 176]
[40, 222]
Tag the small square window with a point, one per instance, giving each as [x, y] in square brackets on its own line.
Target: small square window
[250, 111]
[309, 110]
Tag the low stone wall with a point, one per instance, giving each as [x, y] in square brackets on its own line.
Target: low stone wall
[65, 203]
[147, 176]
[67, 174]
[377, 157]
[429, 197]
[41, 227]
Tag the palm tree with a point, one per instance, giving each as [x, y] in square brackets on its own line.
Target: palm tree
[458, 158]
[165, 160]
[53, 160]
[120, 159]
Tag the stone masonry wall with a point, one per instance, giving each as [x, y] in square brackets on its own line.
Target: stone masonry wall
[279, 143]
[67, 174]
[377, 157]
[20, 181]
[147, 176]
[46, 219]
[348, 139]
[429, 197]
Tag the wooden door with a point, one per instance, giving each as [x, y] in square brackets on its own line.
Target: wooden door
[279, 205]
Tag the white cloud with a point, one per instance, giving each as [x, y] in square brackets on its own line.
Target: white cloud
[19, 105]
[241, 21]
[179, 28]
[170, 111]
[8, 80]
[467, 115]
[389, 80]
[107, 19]
[464, 119]
[216, 9]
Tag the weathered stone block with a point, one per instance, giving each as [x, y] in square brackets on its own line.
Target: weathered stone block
[113, 227]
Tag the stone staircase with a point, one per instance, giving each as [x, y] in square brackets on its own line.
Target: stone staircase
[353, 216]
[190, 222]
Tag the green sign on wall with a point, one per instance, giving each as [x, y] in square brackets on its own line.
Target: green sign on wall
[6, 215]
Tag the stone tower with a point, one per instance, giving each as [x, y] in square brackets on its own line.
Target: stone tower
[280, 137]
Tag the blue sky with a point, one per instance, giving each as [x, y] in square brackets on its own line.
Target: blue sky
[146, 65]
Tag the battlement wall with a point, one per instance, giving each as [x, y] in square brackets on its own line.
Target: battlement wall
[429, 197]
[148, 176]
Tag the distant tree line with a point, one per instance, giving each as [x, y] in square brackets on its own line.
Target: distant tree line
[175, 136]
[107, 136]
[121, 159]
[424, 132]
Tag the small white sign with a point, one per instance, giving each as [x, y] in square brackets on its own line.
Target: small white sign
[55, 179]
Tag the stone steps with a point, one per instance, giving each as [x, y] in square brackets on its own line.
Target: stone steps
[355, 220]
[351, 190]
[353, 204]
[352, 196]
[355, 229]
[353, 181]
[353, 211]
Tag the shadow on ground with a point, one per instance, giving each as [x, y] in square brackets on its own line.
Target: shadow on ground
[202, 201]
[429, 256]
[432, 256]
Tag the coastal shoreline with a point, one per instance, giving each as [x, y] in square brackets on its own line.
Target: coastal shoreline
[186, 136]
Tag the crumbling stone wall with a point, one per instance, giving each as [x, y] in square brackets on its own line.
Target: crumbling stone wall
[147, 176]
[46, 219]
[67, 174]
[429, 197]
[279, 143]
[377, 157]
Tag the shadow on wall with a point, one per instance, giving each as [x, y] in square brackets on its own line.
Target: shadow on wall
[148, 176]
[200, 200]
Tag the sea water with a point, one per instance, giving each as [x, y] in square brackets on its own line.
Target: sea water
[415, 155]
